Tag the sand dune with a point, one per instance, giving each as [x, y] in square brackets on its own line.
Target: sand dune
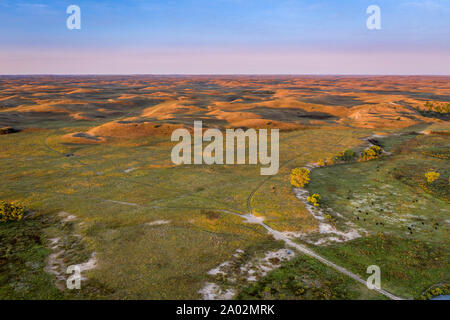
[83, 90]
[81, 138]
[169, 109]
[132, 130]
[266, 124]
[223, 101]
[384, 116]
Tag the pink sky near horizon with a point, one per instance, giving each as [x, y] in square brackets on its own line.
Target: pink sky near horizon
[228, 61]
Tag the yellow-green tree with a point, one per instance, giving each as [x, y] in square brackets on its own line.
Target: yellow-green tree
[321, 163]
[10, 212]
[371, 153]
[314, 199]
[432, 176]
[300, 177]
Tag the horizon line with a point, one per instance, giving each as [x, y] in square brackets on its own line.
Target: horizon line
[226, 74]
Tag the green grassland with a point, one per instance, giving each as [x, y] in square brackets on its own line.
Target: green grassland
[161, 261]
[157, 229]
[22, 260]
[137, 260]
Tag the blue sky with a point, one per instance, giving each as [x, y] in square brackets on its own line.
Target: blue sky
[225, 36]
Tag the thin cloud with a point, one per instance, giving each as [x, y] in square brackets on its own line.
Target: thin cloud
[40, 8]
[426, 4]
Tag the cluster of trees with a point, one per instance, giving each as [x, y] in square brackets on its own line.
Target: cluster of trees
[433, 292]
[314, 199]
[300, 177]
[435, 185]
[348, 155]
[343, 156]
[438, 107]
[10, 212]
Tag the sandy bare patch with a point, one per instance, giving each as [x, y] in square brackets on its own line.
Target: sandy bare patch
[250, 218]
[212, 291]
[66, 217]
[88, 265]
[239, 274]
[260, 267]
[123, 202]
[55, 261]
[157, 223]
[329, 232]
[220, 269]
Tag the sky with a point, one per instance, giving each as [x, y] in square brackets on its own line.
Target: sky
[225, 37]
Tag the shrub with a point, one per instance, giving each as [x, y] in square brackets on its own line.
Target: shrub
[432, 176]
[344, 156]
[10, 212]
[300, 177]
[314, 199]
[371, 153]
[8, 130]
[438, 107]
[429, 106]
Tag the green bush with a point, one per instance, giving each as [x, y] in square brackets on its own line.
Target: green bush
[344, 156]
[10, 212]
